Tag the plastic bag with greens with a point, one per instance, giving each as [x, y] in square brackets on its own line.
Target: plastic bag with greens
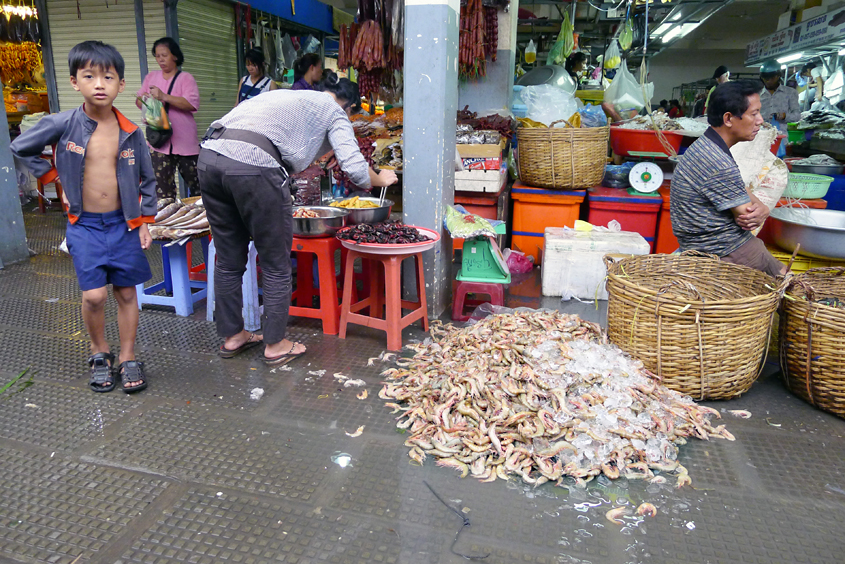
[154, 114]
[564, 44]
[467, 225]
[626, 38]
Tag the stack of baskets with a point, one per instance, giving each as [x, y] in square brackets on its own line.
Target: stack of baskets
[812, 338]
[562, 158]
[700, 324]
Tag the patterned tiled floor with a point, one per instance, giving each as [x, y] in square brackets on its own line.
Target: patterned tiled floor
[195, 470]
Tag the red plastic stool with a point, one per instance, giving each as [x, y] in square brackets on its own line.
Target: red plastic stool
[459, 302]
[329, 310]
[385, 294]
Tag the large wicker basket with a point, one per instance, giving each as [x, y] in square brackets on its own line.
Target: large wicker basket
[700, 324]
[562, 158]
[812, 339]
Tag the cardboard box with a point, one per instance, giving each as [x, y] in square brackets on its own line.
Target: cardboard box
[573, 263]
[481, 151]
[489, 181]
[785, 20]
[482, 164]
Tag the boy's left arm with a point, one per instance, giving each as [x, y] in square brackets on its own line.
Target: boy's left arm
[147, 187]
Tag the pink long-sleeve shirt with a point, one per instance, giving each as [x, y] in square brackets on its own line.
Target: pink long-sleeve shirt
[184, 140]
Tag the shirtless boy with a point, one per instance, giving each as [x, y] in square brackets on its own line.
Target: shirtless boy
[109, 189]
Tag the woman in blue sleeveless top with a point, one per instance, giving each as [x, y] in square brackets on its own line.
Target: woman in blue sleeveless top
[255, 82]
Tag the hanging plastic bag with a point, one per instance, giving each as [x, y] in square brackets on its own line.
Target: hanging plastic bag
[626, 94]
[311, 45]
[289, 51]
[564, 44]
[626, 38]
[612, 56]
[531, 52]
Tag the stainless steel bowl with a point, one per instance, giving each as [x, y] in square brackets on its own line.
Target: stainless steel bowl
[821, 233]
[818, 169]
[367, 215]
[331, 220]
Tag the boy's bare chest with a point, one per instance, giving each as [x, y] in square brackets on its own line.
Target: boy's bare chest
[103, 147]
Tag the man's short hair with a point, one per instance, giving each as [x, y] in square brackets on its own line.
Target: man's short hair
[730, 97]
[97, 54]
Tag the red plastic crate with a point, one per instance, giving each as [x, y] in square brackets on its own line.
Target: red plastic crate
[634, 213]
[534, 209]
[666, 241]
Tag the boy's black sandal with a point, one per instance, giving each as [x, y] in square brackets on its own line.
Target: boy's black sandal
[102, 377]
[131, 372]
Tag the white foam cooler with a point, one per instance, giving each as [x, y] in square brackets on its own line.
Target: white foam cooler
[572, 261]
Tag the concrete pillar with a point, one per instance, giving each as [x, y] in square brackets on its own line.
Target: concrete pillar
[12, 233]
[495, 91]
[431, 100]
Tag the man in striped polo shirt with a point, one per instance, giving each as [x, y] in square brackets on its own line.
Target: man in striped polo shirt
[712, 211]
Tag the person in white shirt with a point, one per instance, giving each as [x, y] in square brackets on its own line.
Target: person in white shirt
[815, 85]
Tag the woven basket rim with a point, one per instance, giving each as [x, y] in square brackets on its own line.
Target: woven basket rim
[625, 280]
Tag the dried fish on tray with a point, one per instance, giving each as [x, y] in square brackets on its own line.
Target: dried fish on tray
[177, 220]
[540, 395]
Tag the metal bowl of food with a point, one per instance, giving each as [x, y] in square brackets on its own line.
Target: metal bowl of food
[363, 210]
[821, 233]
[318, 221]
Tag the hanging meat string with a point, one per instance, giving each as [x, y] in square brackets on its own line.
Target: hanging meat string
[375, 46]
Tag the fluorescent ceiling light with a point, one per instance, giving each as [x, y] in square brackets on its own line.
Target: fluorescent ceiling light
[671, 35]
[793, 57]
[662, 29]
[679, 31]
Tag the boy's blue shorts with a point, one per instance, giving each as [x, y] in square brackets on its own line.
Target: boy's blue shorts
[104, 251]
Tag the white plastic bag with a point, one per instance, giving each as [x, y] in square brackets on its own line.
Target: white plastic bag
[548, 104]
[625, 93]
[612, 56]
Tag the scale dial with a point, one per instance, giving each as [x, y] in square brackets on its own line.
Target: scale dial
[646, 177]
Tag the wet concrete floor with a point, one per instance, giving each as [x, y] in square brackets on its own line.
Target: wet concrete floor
[195, 470]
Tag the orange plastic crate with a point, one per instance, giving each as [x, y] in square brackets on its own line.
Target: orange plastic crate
[534, 209]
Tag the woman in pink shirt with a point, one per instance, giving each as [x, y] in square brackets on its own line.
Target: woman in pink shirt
[184, 99]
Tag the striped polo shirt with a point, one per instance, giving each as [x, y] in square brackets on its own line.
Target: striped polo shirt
[705, 187]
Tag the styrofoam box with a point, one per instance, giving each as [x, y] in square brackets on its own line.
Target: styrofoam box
[572, 261]
[479, 180]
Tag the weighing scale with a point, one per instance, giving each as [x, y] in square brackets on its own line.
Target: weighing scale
[645, 179]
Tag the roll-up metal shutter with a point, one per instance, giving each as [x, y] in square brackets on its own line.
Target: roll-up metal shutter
[114, 25]
[207, 39]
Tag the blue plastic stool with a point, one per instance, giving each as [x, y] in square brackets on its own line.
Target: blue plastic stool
[177, 282]
[252, 310]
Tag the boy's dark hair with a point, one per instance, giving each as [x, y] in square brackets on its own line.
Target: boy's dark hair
[305, 62]
[97, 54]
[730, 97]
[664, 103]
[255, 57]
[344, 90]
[171, 44]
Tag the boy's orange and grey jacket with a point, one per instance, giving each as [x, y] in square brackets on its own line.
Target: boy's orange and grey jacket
[69, 133]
